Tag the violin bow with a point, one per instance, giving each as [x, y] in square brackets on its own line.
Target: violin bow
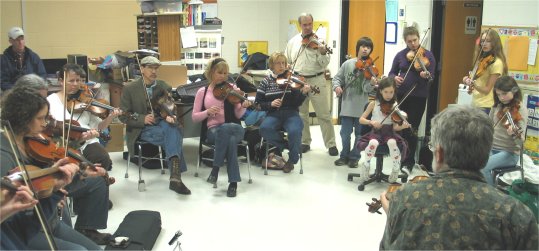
[144, 87]
[482, 44]
[301, 49]
[6, 126]
[415, 55]
[353, 80]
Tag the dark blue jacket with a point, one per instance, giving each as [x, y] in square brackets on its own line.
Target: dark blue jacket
[10, 71]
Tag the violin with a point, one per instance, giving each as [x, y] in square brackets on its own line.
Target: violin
[43, 180]
[420, 61]
[397, 116]
[226, 91]
[312, 41]
[54, 127]
[287, 80]
[376, 204]
[44, 151]
[367, 67]
[509, 116]
[479, 68]
[163, 105]
[83, 100]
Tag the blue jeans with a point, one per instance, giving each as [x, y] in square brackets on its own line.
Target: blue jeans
[66, 238]
[225, 138]
[292, 124]
[347, 125]
[167, 136]
[497, 159]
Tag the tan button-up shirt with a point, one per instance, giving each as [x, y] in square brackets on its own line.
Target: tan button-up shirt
[310, 61]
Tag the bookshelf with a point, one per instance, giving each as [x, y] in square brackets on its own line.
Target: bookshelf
[161, 33]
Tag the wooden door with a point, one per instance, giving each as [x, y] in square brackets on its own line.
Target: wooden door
[367, 18]
[457, 47]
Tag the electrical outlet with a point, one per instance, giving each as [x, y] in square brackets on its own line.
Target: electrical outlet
[334, 44]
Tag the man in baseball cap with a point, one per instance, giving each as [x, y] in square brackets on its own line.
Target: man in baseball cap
[18, 60]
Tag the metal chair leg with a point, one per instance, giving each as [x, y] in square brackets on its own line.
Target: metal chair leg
[128, 162]
[141, 184]
[161, 161]
[247, 153]
[301, 162]
[267, 155]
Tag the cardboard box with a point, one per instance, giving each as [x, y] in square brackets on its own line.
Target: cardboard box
[116, 143]
[175, 75]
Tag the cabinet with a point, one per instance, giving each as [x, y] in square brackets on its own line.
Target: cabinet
[160, 33]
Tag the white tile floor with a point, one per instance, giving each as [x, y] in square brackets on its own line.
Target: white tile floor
[318, 210]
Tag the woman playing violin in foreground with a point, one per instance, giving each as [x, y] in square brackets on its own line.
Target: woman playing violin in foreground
[414, 104]
[509, 118]
[384, 132]
[26, 111]
[281, 103]
[455, 209]
[222, 119]
[491, 64]
[353, 86]
[91, 197]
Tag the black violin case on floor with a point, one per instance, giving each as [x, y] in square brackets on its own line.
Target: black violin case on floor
[142, 227]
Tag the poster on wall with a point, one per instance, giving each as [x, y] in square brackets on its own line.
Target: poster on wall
[246, 48]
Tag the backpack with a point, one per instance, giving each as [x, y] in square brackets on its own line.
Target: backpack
[527, 193]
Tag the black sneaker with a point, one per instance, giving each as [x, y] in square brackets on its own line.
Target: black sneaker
[305, 148]
[352, 163]
[341, 162]
[333, 151]
[232, 191]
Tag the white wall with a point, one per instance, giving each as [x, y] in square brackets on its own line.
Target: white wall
[511, 13]
[322, 10]
[248, 20]
[267, 20]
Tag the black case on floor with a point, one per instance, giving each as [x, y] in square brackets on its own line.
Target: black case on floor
[142, 227]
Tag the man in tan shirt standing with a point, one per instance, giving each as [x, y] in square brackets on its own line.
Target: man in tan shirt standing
[311, 64]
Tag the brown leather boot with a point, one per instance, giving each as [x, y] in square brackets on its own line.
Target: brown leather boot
[288, 167]
[176, 183]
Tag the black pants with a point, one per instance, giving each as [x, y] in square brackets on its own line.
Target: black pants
[91, 195]
[414, 107]
[96, 153]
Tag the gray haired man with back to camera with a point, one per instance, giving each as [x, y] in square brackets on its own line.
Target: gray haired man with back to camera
[456, 208]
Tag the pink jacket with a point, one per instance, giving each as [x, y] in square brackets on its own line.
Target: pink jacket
[209, 101]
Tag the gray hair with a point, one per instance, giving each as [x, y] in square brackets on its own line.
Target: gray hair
[465, 134]
[31, 81]
[305, 15]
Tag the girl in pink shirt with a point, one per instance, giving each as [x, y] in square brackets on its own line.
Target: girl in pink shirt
[222, 119]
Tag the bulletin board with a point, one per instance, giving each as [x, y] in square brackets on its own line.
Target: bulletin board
[246, 48]
[320, 28]
[517, 55]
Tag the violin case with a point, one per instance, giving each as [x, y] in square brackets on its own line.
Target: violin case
[142, 227]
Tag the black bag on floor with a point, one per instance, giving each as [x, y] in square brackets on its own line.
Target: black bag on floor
[142, 227]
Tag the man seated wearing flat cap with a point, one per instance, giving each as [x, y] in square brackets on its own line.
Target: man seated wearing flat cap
[144, 125]
[18, 60]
